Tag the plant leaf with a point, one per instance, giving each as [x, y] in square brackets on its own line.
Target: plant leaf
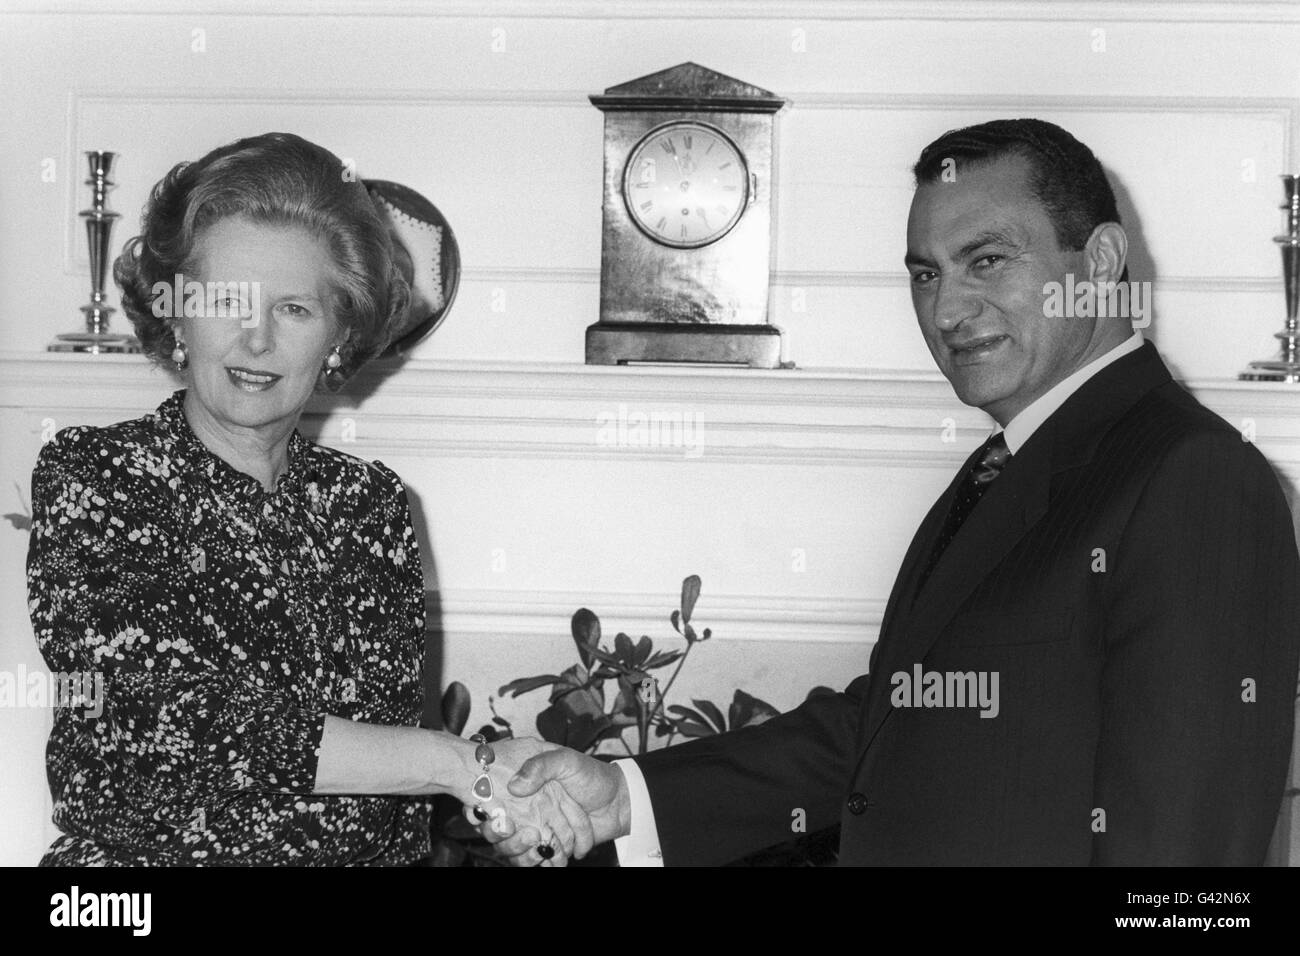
[625, 704]
[624, 650]
[575, 674]
[455, 707]
[585, 628]
[686, 713]
[690, 634]
[690, 729]
[524, 684]
[611, 665]
[643, 649]
[572, 693]
[585, 730]
[661, 659]
[710, 710]
[747, 711]
[675, 618]
[741, 710]
[690, 723]
[690, 594]
[21, 522]
[553, 725]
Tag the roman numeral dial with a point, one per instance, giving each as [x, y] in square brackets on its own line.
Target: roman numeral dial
[686, 184]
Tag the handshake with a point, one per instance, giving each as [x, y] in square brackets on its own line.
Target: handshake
[544, 804]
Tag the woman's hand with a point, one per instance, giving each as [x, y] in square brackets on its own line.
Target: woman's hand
[548, 816]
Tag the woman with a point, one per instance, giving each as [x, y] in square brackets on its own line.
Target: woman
[253, 601]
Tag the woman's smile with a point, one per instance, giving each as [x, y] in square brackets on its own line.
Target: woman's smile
[251, 380]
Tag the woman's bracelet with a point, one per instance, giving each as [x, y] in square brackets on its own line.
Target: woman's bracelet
[482, 788]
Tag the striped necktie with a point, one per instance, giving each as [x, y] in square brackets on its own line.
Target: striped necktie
[993, 456]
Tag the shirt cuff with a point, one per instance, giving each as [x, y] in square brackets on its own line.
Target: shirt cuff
[641, 846]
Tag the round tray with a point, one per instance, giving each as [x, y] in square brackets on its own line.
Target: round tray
[427, 245]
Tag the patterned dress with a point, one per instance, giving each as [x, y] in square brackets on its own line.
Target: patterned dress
[226, 622]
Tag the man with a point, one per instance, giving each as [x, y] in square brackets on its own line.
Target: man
[1113, 578]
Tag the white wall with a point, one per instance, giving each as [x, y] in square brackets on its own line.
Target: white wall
[483, 107]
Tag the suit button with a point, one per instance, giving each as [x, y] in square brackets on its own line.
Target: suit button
[857, 804]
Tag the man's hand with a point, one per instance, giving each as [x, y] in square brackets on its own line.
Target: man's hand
[543, 815]
[595, 789]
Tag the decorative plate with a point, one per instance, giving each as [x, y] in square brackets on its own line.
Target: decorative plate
[428, 256]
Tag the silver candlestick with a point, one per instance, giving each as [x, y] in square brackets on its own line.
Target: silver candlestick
[1286, 367]
[99, 227]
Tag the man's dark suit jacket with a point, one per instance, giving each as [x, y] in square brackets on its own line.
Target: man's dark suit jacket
[1146, 709]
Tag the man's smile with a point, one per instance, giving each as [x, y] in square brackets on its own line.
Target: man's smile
[971, 351]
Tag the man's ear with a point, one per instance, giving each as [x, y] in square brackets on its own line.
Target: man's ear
[1106, 251]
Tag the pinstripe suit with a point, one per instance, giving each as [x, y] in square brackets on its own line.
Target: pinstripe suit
[1132, 578]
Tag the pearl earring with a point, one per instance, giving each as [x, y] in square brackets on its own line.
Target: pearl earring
[334, 359]
[180, 356]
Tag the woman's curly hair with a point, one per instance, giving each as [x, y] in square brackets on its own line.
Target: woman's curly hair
[278, 179]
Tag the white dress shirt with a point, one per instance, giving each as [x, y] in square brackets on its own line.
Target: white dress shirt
[1038, 411]
[641, 846]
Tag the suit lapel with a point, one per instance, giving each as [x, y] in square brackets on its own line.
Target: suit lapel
[918, 552]
[1010, 507]
[1013, 504]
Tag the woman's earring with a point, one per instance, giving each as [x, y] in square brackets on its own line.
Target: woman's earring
[180, 356]
[333, 360]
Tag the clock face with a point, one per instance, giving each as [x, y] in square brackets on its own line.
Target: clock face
[686, 185]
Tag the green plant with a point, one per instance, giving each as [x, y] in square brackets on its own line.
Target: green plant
[577, 715]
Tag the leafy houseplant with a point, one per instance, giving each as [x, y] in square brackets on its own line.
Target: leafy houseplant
[578, 717]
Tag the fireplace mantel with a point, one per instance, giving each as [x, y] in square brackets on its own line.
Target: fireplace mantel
[821, 415]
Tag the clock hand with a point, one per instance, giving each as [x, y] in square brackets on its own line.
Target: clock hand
[699, 211]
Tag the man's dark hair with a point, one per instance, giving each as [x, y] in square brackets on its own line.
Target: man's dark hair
[1064, 174]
